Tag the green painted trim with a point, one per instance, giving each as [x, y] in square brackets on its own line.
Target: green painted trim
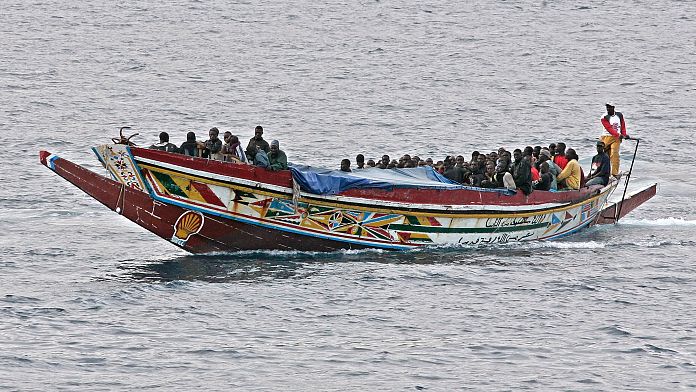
[169, 184]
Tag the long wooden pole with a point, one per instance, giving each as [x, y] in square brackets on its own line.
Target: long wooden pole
[628, 177]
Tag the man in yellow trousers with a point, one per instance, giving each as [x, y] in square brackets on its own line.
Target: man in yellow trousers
[615, 124]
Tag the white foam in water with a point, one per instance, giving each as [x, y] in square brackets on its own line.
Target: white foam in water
[658, 222]
[566, 245]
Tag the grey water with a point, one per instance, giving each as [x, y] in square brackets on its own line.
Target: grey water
[89, 301]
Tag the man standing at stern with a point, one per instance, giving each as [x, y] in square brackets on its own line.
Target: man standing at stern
[615, 124]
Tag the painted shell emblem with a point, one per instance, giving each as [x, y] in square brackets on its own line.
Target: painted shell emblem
[188, 224]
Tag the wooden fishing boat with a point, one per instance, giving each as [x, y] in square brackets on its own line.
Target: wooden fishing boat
[204, 205]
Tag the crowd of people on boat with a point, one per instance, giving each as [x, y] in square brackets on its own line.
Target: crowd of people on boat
[533, 168]
[551, 168]
[258, 151]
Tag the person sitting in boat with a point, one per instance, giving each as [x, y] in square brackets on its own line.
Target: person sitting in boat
[615, 124]
[384, 162]
[360, 161]
[522, 172]
[474, 157]
[453, 171]
[233, 147]
[345, 165]
[257, 141]
[164, 144]
[211, 147]
[190, 146]
[277, 158]
[554, 169]
[571, 176]
[601, 167]
[371, 163]
[503, 177]
[487, 179]
[545, 177]
[402, 161]
[260, 158]
[528, 154]
[559, 157]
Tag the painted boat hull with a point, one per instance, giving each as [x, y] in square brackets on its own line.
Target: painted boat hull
[207, 206]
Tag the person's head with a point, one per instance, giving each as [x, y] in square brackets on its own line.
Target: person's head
[422, 163]
[560, 148]
[610, 108]
[429, 161]
[459, 161]
[345, 165]
[392, 164]
[481, 160]
[371, 162]
[528, 151]
[360, 160]
[503, 165]
[517, 154]
[385, 160]
[258, 132]
[493, 155]
[544, 167]
[275, 146]
[226, 136]
[507, 155]
[474, 156]
[501, 150]
[213, 133]
[600, 147]
[571, 154]
[490, 168]
[544, 155]
[234, 139]
[552, 149]
[164, 137]
[537, 150]
[191, 137]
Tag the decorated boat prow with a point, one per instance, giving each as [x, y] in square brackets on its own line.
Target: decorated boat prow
[204, 205]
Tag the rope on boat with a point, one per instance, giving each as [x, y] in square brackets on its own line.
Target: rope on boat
[295, 194]
[121, 199]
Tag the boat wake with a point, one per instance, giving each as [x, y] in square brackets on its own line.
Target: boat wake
[658, 222]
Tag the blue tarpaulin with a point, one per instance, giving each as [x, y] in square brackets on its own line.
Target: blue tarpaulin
[330, 182]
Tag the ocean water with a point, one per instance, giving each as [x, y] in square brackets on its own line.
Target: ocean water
[89, 301]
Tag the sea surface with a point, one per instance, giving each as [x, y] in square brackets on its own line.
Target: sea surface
[91, 302]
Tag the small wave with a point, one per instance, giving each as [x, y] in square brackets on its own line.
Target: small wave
[288, 253]
[658, 222]
[568, 245]
[615, 330]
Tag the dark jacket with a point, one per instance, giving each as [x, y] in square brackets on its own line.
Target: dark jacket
[278, 161]
[189, 148]
[165, 146]
[522, 174]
